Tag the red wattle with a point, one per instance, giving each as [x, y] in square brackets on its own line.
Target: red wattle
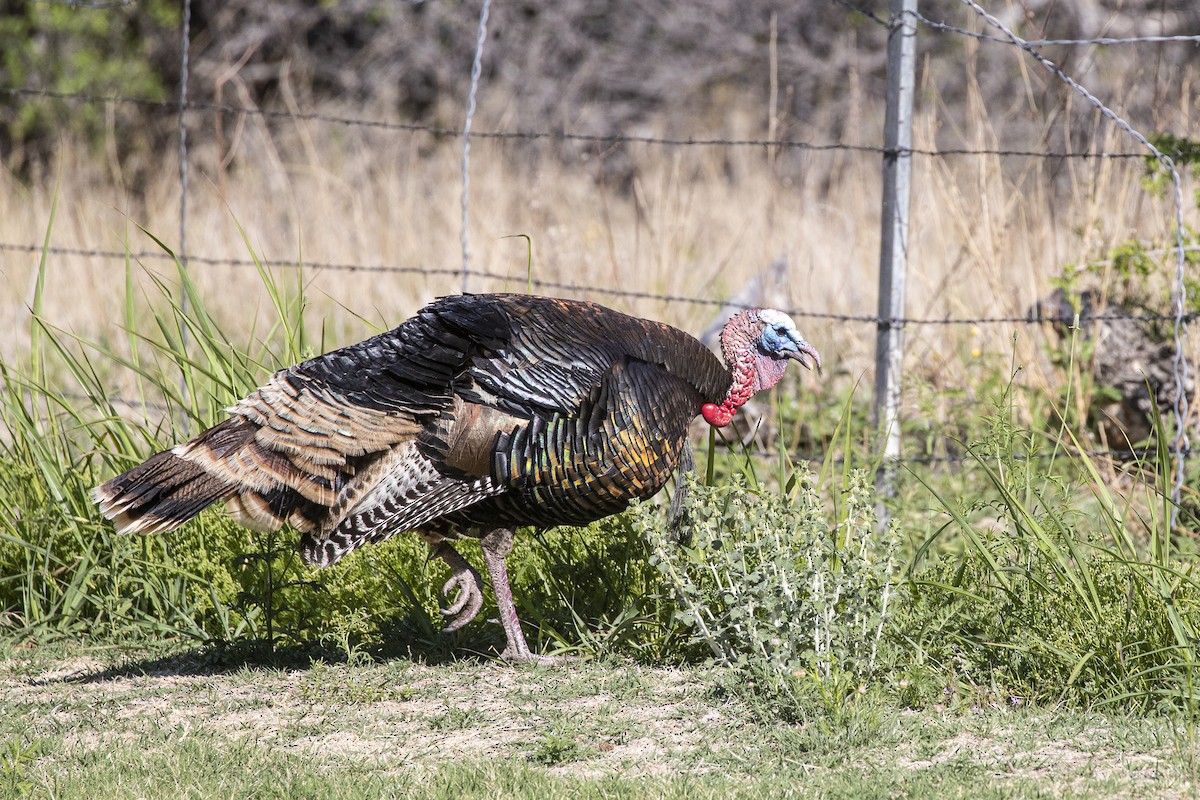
[715, 415]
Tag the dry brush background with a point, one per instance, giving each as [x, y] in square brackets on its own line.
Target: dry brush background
[990, 232]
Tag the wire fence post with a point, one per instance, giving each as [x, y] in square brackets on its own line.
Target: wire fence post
[184, 298]
[476, 71]
[893, 249]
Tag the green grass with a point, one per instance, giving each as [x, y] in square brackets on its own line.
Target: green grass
[1029, 616]
[72, 725]
[70, 576]
[1072, 592]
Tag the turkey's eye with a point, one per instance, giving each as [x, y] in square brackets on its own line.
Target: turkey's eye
[781, 329]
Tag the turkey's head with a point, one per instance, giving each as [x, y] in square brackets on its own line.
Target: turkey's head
[757, 345]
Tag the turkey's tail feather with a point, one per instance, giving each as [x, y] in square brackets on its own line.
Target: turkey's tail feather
[159, 495]
[223, 463]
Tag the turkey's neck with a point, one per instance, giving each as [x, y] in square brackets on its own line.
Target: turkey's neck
[739, 348]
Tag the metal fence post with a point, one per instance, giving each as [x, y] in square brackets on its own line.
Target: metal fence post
[184, 292]
[476, 71]
[893, 250]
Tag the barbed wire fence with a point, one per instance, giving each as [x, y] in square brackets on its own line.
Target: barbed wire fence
[1179, 446]
[183, 106]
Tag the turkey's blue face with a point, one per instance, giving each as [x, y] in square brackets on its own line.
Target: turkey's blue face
[781, 340]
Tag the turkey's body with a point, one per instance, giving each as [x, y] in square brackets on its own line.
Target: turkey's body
[479, 414]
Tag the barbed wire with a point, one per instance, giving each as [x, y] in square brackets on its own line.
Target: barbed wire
[1179, 299]
[98, 4]
[1143, 455]
[1102, 40]
[568, 136]
[182, 106]
[866, 12]
[580, 288]
[143, 255]
[163, 410]
[945, 27]
[161, 255]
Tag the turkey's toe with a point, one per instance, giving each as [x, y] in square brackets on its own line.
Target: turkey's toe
[467, 602]
[526, 657]
[465, 584]
[460, 602]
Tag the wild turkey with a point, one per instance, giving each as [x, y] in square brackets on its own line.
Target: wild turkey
[479, 414]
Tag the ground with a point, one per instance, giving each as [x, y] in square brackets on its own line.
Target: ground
[86, 723]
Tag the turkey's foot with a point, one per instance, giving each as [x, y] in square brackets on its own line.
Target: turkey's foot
[468, 585]
[496, 545]
[528, 657]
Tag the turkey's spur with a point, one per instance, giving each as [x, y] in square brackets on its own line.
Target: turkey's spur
[480, 414]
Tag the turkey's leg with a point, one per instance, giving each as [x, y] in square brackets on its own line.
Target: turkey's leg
[497, 544]
[468, 583]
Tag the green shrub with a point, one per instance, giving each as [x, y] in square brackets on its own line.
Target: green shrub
[766, 580]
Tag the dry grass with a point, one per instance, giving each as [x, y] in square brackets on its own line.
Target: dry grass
[988, 232]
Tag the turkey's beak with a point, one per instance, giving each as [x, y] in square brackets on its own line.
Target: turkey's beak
[803, 352]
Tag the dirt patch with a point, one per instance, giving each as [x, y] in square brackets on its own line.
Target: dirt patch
[582, 721]
[1011, 755]
[410, 714]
